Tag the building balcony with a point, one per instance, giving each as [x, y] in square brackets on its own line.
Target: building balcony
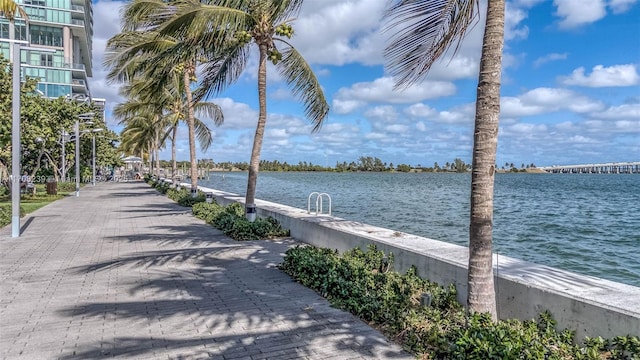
[53, 64]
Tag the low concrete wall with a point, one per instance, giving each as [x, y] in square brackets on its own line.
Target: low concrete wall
[590, 306]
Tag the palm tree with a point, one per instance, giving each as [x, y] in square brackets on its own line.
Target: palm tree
[422, 31]
[265, 23]
[8, 9]
[144, 122]
[141, 51]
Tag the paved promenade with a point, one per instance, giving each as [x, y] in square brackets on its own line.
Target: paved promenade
[123, 272]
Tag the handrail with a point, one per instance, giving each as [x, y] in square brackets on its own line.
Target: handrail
[319, 204]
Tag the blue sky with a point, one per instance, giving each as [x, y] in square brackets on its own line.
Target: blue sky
[570, 90]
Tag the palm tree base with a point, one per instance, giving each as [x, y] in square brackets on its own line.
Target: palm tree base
[250, 212]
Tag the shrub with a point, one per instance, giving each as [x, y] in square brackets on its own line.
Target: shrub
[66, 186]
[361, 282]
[231, 221]
[6, 214]
[207, 212]
[162, 187]
[189, 201]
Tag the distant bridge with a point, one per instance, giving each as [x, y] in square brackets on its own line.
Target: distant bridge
[605, 168]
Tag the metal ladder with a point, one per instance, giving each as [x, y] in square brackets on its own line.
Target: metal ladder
[319, 204]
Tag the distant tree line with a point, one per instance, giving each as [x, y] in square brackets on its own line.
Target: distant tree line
[363, 164]
[511, 167]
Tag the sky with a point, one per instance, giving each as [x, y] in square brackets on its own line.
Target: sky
[570, 90]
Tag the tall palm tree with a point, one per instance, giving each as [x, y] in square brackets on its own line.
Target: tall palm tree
[141, 50]
[265, 23]
[422, 31]
[144, 121]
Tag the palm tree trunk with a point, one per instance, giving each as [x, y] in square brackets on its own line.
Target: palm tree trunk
[158, 160]
[151, 153]
[174, 165]
[189, 69]
[481, 293]
[156, 153]
[254, 163]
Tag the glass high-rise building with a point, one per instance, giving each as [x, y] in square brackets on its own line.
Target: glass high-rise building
[65, 26]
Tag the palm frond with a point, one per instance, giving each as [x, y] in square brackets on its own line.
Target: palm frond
[421, 31]
[198, 23]
[8, 8]
[304, 86]
[209, 110]
[142, 14]
[203, 134]
[222, 71]
[282, 9]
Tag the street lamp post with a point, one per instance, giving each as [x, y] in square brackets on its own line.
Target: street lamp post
[93, 144]
[17, 46]
[64, 136]
[85, 116]
[62, 171]
[15, 143]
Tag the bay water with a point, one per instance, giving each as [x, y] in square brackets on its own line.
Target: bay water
[585, 223]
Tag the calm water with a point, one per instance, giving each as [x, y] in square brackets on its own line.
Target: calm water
[588, 224]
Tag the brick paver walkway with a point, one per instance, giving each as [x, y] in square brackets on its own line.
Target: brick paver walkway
[123, 272]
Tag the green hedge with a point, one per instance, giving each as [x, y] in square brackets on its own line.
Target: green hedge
[426, 319]
[5, 214]
[184, 198]
[229, 219]
[232, 222]
[66, 187]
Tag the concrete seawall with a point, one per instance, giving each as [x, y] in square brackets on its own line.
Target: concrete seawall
[591, 306]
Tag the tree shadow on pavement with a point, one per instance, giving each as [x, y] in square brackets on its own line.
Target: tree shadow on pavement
[198, 294]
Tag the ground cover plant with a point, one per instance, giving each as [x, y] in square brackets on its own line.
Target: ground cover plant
[426, 318]
[230, 219]
[29, 202]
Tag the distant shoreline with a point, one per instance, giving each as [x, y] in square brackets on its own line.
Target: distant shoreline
[499, 171]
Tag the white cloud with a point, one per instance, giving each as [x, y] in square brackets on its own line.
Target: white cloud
[579, 139]
[327, 32]
[345, 106]
[108, 26]
[620, 6]
[616, 75]
[386, 113]
[397, 128]
[546, 100]
[513, 17]
[623, 112]
[420, 110]
[381, 91]
[237, 115]
[575, 13]
[523, 130]
[461, 114]
[548, 58]
[601, 127]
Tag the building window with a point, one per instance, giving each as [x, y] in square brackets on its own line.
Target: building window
[20, 29]
[46, 60]
[36, 13]
[4, 30]
[46, 35]
[35, 2]
[54, 90]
